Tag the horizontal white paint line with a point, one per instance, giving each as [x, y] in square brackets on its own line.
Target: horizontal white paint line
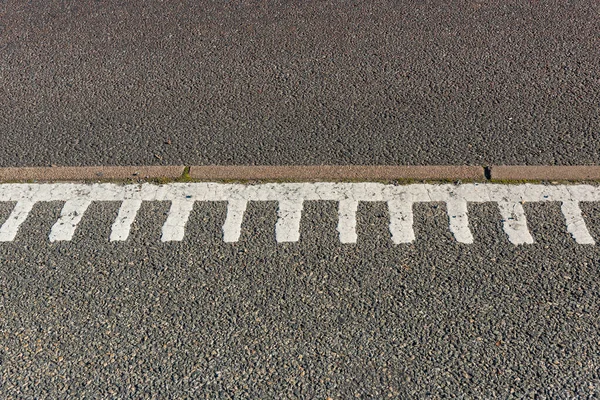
[291, 196]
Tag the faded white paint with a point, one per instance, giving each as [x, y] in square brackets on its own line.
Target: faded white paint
[122, 225]
[575, 223]
[174, 228]
[9, 229]
[232, 227]
[70, 216]
[290, 196]
[288, 222]
[347, 220]
[459, 222]
[401, 221]
[515, 223]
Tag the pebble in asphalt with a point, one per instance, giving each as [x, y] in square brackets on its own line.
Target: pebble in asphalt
[312, 319]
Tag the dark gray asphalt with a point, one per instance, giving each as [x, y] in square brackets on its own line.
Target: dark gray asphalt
[313, 319]
[353, 82]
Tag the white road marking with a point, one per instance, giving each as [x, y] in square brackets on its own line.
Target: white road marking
[459, 222]
[400, 200]
[232, 227]
[122, 225]
[575, 223]
[515, 222]
[174, 227]
[70, 216]
[9, 229]
[288, 223]
[401, 221]
[347, 221]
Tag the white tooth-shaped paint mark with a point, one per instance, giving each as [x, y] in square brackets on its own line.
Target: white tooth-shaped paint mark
[122, 225]
[459, 222]
[71, 214]
[174, 227]
[9, 229]
[401, 221]
[575, 223]
[347, 221]
[515, 222]
[400, 198]
[288, 222]
[233, 221]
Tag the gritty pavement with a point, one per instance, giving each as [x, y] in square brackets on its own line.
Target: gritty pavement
[238, 82]
[313, 319]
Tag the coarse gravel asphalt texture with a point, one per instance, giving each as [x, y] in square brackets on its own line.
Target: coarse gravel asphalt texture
[288, 82]
[313, 319]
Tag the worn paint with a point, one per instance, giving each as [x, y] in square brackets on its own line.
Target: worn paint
[291, 196]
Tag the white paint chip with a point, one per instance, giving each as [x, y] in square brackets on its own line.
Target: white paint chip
[290, 196]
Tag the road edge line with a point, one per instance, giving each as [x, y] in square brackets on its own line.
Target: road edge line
[305, 173]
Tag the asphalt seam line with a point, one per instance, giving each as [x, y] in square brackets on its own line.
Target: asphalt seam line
[290, 197]
[303, 173]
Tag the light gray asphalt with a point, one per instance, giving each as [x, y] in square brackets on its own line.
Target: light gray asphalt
[313, 319]
[353, 82]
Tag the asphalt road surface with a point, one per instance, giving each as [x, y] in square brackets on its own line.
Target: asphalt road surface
[238, 82]
[202, 318]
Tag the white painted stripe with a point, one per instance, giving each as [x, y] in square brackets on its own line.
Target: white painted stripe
[232, 227]
[288, 223]
[293, 191]
[575, 223]
[290, 197]
[174, 227]
[122, 225]
[459, 222]
[71, 214]
[515, 222]
[347, 221]
[401, 221]
[8, 230]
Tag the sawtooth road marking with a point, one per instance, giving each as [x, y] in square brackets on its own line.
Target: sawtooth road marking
[9, 229]
[401, 221]
[290, 196]
[174, 228]
[127, 212]
[232, 228]
[347, 220]
[70, 216]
